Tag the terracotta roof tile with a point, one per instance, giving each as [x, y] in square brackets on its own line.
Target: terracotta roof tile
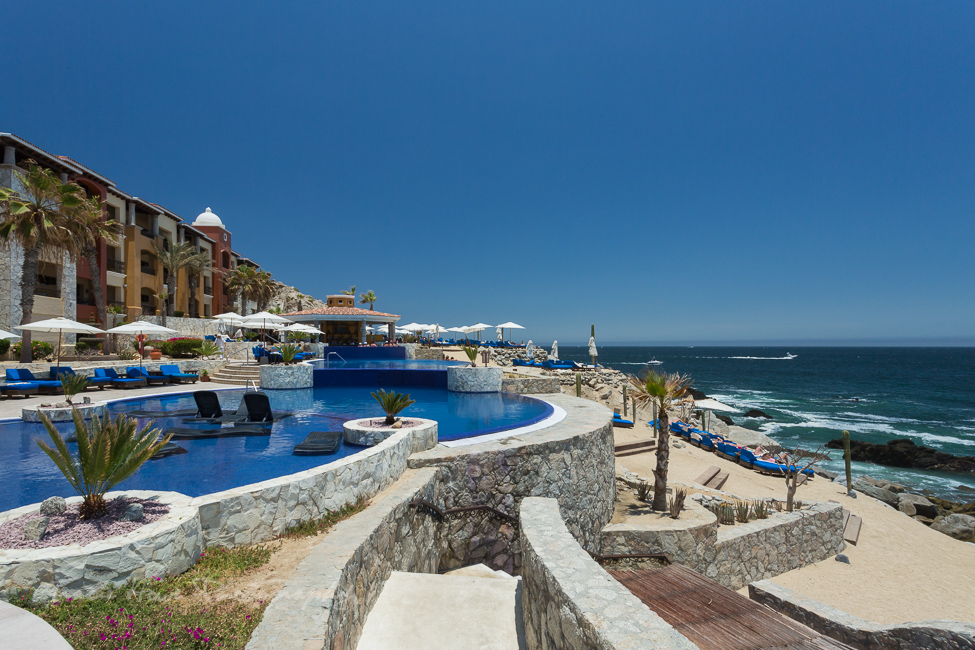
[341, 311]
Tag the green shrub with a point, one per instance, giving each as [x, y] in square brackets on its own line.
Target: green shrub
[178, 314]
[4, 346]
[288, 352]
[72, 384]
[181, 347]
[39, 349]
[208, 349]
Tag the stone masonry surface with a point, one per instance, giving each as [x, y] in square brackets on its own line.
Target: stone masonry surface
[463, 379]
[858, 632]
[735, 555]
[570, 602]
[571, 461]
[167, 546]
[356, 434]
[325, 602]
[530, 385]
[274, 377]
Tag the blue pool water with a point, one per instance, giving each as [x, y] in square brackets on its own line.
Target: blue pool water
[29, 476]
[388, 364]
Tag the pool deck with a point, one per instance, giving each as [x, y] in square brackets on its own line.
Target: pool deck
[10, 407]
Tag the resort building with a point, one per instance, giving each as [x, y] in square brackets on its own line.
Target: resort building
[343, 322]
[130, 273]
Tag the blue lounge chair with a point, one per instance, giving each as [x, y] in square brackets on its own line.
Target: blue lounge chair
[176, 376]
[21, 388]
[100, 382]
[727, 449]
[120, 382]
[24, 375]
[618, 421]
[135, 372]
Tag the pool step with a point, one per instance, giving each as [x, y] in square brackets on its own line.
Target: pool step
[237, 374]
[472, 608]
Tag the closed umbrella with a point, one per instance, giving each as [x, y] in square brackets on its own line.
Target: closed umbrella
[62, 326]
[555, 350]
[592, 349]
[530, 350]
[143, 328]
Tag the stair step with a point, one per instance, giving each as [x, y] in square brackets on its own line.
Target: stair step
[410, 613]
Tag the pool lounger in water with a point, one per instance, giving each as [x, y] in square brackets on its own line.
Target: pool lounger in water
[169, 449]
[319, 442]
[188, 433]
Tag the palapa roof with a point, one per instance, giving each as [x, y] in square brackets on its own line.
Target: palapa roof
[335, 313]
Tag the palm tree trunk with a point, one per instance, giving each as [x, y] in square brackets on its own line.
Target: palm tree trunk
[91, 254]
[193, 282]
[663, 461]
[28, 283]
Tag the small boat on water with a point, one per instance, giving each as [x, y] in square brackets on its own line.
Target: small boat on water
[789, 355]
[654, 362]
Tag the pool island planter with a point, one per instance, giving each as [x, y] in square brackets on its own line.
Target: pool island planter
[281, 376]
[32, 413]
[168, 546]
[358, 432]
[468, 379]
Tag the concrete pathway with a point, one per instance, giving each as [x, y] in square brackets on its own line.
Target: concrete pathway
[21, 630]
[473, 608]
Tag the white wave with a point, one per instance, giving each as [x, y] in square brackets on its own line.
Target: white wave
[816, 421]
[881, 418]
[951, 439]
[785, 358]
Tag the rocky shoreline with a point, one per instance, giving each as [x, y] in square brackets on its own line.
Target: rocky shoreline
[902, 452]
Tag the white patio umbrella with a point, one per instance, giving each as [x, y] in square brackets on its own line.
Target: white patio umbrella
[509, 326]
[555, 350]
[230, 315]
[593, 353]
[4, 334]
[479, 327]
[141, 327]
[62, 326]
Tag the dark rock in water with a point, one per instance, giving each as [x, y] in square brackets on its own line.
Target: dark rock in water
[35, 528]
[696, 394]
[755, 413]
[724, 418]
[842, 558]
[53, 506]
[904, 453]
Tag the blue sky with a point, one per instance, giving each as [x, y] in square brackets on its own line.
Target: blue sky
[670, 172]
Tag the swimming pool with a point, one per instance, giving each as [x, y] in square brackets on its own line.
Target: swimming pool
[387, 364]
[219, 464]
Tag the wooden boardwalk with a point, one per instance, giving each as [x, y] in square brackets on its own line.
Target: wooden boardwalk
[717, 618]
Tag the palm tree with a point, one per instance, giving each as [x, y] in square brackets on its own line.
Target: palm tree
[350, 291]
[241, 283]
[662, 391]
[368, 298]
[197, 265]
[264, 289]
[91, 228]
[39, 218]
[178, 256]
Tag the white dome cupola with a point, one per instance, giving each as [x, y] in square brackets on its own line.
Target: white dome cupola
[208, 218]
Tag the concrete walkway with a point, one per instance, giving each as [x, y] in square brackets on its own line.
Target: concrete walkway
[21, 630]
[473, 608]
[10, 407]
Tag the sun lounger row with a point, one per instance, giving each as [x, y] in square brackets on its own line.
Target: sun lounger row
[730, 450]
[22, 382]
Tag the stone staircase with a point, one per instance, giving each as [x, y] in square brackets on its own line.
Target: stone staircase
[472, 607]
[237, 374]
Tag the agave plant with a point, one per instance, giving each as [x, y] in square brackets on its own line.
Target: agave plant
[392, 403]
[72, 384]
[109, 452]
[743, 510]
[677, 502]
[471, 353]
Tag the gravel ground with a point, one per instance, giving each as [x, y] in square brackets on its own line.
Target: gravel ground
[69, 529]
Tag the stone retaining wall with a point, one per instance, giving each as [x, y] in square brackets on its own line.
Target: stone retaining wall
[858, 632]
[572, 461]
[168, 546]
[325, 602]
[260, 511]
[570, 601]
[275, 377]
[735, 555]
[530, 385]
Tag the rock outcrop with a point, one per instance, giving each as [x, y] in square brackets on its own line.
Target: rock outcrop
[904, 453]
[958, 526]
[755, 413]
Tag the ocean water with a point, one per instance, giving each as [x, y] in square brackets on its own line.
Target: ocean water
[877, 394]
